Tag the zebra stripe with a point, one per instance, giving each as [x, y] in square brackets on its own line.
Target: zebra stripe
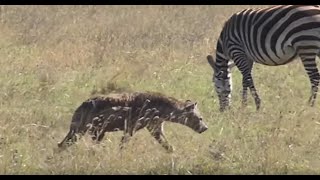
[271, 36]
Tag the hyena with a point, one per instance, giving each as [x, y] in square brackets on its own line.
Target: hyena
[130, 112]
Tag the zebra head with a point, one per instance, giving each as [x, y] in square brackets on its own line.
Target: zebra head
[223, 83]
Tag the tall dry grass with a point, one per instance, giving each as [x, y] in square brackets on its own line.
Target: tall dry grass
[55, 57]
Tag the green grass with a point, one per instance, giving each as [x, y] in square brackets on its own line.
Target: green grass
[55, 57]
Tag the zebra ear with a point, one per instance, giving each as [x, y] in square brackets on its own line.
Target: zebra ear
[211, 61]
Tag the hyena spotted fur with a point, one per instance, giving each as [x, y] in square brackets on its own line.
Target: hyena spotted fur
[130, 112]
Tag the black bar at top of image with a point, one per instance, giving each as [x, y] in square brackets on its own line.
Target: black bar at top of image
[155, 2]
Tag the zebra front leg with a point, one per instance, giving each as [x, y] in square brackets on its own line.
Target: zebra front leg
[312, 99]
[309, 63]
[248, 82]
[256, 97]
[245, 68]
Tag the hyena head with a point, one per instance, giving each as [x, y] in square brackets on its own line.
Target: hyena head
[222, 83]
[190, 116]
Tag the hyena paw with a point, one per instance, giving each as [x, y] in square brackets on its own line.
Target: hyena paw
[169, 149]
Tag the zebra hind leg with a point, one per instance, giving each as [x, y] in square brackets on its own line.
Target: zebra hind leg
[309, 63]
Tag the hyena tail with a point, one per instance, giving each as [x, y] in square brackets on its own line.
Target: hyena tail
[79, 121]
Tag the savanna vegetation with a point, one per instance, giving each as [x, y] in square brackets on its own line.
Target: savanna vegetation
[55, 57]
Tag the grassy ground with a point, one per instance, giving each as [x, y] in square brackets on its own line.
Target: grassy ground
[55, 57]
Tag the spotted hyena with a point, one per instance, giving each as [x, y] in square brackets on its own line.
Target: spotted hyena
[130, 112]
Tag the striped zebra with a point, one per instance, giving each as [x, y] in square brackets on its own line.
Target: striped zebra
[271, 36]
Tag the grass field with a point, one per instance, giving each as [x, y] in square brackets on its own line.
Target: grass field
[55, 57]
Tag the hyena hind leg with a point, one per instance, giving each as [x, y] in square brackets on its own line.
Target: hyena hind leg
[68, 140]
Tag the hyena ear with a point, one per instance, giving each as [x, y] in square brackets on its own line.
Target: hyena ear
[188, 102]
[211, 62]
[189, 105]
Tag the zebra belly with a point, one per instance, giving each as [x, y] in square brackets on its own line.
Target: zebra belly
[283, 57]
[276, 61]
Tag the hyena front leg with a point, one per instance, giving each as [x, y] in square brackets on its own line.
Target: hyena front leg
[156, 129]
[147, 116]
[143, 114]
[131, 128]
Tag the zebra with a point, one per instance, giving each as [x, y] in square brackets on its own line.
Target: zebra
[271, 36]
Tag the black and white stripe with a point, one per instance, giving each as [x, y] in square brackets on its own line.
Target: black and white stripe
[272, 36]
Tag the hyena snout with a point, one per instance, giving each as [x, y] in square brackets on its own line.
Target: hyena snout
[202, 127]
